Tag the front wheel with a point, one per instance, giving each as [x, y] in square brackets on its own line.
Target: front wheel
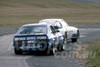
[74, 40]
[64, 42]
[17, 51]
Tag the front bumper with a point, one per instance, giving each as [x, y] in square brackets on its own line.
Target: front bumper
[74, 35]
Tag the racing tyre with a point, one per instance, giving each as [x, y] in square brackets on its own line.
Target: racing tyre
[64, 42]
[49, 52]
[74, 40]
[17, 51]
[52, 50]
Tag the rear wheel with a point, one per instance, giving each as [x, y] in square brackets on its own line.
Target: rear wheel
[52, 50]
[17, 51]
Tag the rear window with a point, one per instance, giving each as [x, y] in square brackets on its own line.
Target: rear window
[35, 30]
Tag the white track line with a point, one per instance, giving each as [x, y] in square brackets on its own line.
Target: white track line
[83, 36]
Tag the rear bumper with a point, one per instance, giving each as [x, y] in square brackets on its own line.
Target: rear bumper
[29, 49]
[34, 47]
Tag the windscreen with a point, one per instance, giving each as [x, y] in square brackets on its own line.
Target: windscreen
[35, 30]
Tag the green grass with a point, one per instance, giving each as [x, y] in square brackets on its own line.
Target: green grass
[19, 12]
[95, 61]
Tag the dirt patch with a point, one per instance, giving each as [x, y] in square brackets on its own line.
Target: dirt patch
[88, 54]
[81, 53]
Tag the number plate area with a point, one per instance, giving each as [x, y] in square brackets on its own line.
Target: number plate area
[33, 43]
[30, 45]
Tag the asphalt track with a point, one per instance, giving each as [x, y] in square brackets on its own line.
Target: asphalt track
[9, 59]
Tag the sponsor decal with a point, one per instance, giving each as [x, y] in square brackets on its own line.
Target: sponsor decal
[31, 38]
[41, 37]
[21, 38]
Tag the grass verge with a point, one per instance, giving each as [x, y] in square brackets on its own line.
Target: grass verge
[95, 48]
[89, 54]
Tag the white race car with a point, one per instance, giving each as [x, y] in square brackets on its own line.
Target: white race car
[64, 28]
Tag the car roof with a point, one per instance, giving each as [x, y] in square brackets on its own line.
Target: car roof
[36, 24]
[51, 20]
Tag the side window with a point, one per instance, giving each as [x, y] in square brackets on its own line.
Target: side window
[58, 24]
